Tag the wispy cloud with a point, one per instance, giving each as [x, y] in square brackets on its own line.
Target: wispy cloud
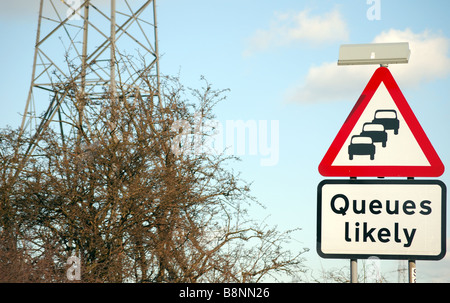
[429, 61]
[291, 28]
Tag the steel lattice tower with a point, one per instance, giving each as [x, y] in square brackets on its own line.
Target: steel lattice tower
[85, 43]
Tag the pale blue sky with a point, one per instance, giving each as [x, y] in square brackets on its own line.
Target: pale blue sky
[279, 60]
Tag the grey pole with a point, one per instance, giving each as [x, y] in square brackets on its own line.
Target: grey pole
[412, 263]
[353, 271]
[412, 271]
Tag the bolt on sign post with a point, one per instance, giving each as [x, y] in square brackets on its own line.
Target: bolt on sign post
[381, 137]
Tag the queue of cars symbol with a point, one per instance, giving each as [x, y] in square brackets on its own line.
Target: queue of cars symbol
[361, 145]
[387, 117]
[374, 132]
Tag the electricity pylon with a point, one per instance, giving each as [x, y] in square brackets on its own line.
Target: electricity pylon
[81, 45]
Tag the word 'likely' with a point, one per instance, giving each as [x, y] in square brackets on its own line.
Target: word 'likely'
[383, 235]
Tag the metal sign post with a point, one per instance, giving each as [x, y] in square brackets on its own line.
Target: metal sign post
[412, 271]
[411, 263]
[353, 271]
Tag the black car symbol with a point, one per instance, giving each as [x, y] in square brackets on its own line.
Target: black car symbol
[361, 145]
[376, 132]
[387, 117]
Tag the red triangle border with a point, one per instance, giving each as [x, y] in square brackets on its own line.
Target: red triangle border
[436, 168]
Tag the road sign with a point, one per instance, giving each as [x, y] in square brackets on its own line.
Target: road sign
[381, 137]
[388, 219]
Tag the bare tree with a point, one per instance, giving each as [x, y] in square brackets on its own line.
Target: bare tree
[117, 196]
[369, 272]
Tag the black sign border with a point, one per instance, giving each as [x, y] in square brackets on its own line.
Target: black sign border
[440, 256]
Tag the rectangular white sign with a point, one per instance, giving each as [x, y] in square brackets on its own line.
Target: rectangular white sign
[388, 219]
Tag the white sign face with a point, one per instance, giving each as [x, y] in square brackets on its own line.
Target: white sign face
[388, 219]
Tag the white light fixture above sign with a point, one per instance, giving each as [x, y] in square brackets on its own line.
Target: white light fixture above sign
[374, 53]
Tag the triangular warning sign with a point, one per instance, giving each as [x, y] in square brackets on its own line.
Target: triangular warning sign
[381, 137]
